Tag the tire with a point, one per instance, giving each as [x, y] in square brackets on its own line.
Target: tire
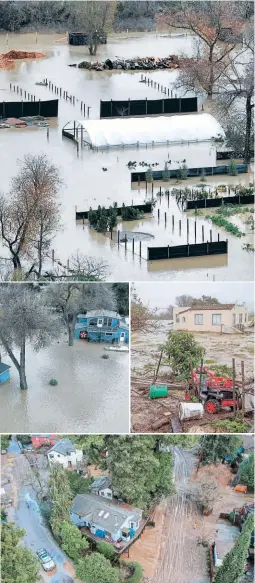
[211, 406]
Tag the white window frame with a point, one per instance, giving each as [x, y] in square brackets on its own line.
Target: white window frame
[213, 318]
[198, 316]
[100, 322]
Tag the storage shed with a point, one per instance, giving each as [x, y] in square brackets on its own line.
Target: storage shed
[153, 131]
[4, 373]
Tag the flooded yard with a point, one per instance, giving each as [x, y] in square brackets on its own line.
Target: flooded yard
[85, 183]
[92, 393]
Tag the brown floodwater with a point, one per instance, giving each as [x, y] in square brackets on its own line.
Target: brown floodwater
[85, 183]
[92, 394]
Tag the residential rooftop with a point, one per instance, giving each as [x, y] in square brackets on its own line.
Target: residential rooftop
[64, 446]
[103, 513]
[209, 307]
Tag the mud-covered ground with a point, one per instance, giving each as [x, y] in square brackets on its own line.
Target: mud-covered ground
[220, 350]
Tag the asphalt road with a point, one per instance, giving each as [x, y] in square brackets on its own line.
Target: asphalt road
[37, 534]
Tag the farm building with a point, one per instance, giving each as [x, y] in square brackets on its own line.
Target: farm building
[102, 487]
[119, 132]
[65, 453]
[4, 373]
[105, 519]
[218, 318]
[101, 326]
[40, 439]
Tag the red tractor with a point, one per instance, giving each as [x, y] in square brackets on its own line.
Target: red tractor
[214, 392]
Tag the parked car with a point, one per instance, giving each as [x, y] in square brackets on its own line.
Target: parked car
[46, 560]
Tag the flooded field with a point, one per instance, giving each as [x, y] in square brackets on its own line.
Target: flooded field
[92, 393]
[85, 184]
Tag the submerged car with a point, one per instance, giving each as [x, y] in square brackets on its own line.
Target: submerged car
[46, 560]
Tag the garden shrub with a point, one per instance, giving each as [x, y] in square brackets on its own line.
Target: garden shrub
[53, 382]
[137, 573]
[232, 168]
[107, 550]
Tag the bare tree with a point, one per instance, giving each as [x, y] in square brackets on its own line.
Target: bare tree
[24, 318]
[204, 491]
[95, 18]
[72, 298]
[208, 21]
[141, 316]
[78, 268]
[29, 217]
[234, 106]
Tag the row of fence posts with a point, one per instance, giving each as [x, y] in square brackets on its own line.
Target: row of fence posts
[158, 86]
[188, 229]
[23, 93]
[62, 93]
[125, 243]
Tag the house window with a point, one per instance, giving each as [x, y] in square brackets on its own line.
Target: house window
[240, 318]
[105, 321]
[100, 321]
[183, 319]
[216, 319]
[245, 318]
[109, 322]
[102, 493]
[51, 455]
[108, 333]
[92, 322]
[134, 525]
[177, 319]
[234, 319]
[108, 495]
[199, 319]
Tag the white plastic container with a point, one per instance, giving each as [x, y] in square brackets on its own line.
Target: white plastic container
[190, 411]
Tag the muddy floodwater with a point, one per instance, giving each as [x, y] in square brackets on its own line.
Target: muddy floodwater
[87, 185]
[92, 394]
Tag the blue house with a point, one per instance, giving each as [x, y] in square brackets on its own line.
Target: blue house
[102, 326]
[4, 373]
[105, 519]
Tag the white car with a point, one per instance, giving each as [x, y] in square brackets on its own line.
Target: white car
[46, 560]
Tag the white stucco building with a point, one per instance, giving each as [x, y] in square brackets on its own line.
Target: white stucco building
[65, 453]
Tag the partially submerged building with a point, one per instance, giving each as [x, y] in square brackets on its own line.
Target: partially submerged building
[211, 318]
[4, 372]
[121, 132]
[105, 519]
[102, 326]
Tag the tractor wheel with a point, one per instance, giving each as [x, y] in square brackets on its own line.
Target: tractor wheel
[211, 406]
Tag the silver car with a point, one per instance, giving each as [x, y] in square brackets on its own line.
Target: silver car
[46, 560]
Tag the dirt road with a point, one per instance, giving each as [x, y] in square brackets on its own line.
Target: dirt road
[182, 560]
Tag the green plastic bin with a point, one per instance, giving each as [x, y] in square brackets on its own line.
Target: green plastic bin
[157, 391]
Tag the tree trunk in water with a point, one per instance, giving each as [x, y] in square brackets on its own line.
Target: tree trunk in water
[16, 262]
[22, 370]
[247, 144]
[70, 334]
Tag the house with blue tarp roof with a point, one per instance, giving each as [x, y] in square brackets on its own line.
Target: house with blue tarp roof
[102, 326]
[4, 373]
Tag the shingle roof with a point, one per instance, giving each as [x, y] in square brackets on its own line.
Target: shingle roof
[4, 367]
[99, 314]
[100, 483]
[103, 514]
[63, 446]
[209, 307]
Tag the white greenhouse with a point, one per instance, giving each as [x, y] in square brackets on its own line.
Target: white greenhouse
[101, 134]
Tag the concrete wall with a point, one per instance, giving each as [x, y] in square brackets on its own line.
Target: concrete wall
[185, 320]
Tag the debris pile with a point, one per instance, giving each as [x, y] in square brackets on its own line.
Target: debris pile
[145, 63]
[7, 60]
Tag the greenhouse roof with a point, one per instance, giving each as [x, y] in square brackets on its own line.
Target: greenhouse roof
[103, 133]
